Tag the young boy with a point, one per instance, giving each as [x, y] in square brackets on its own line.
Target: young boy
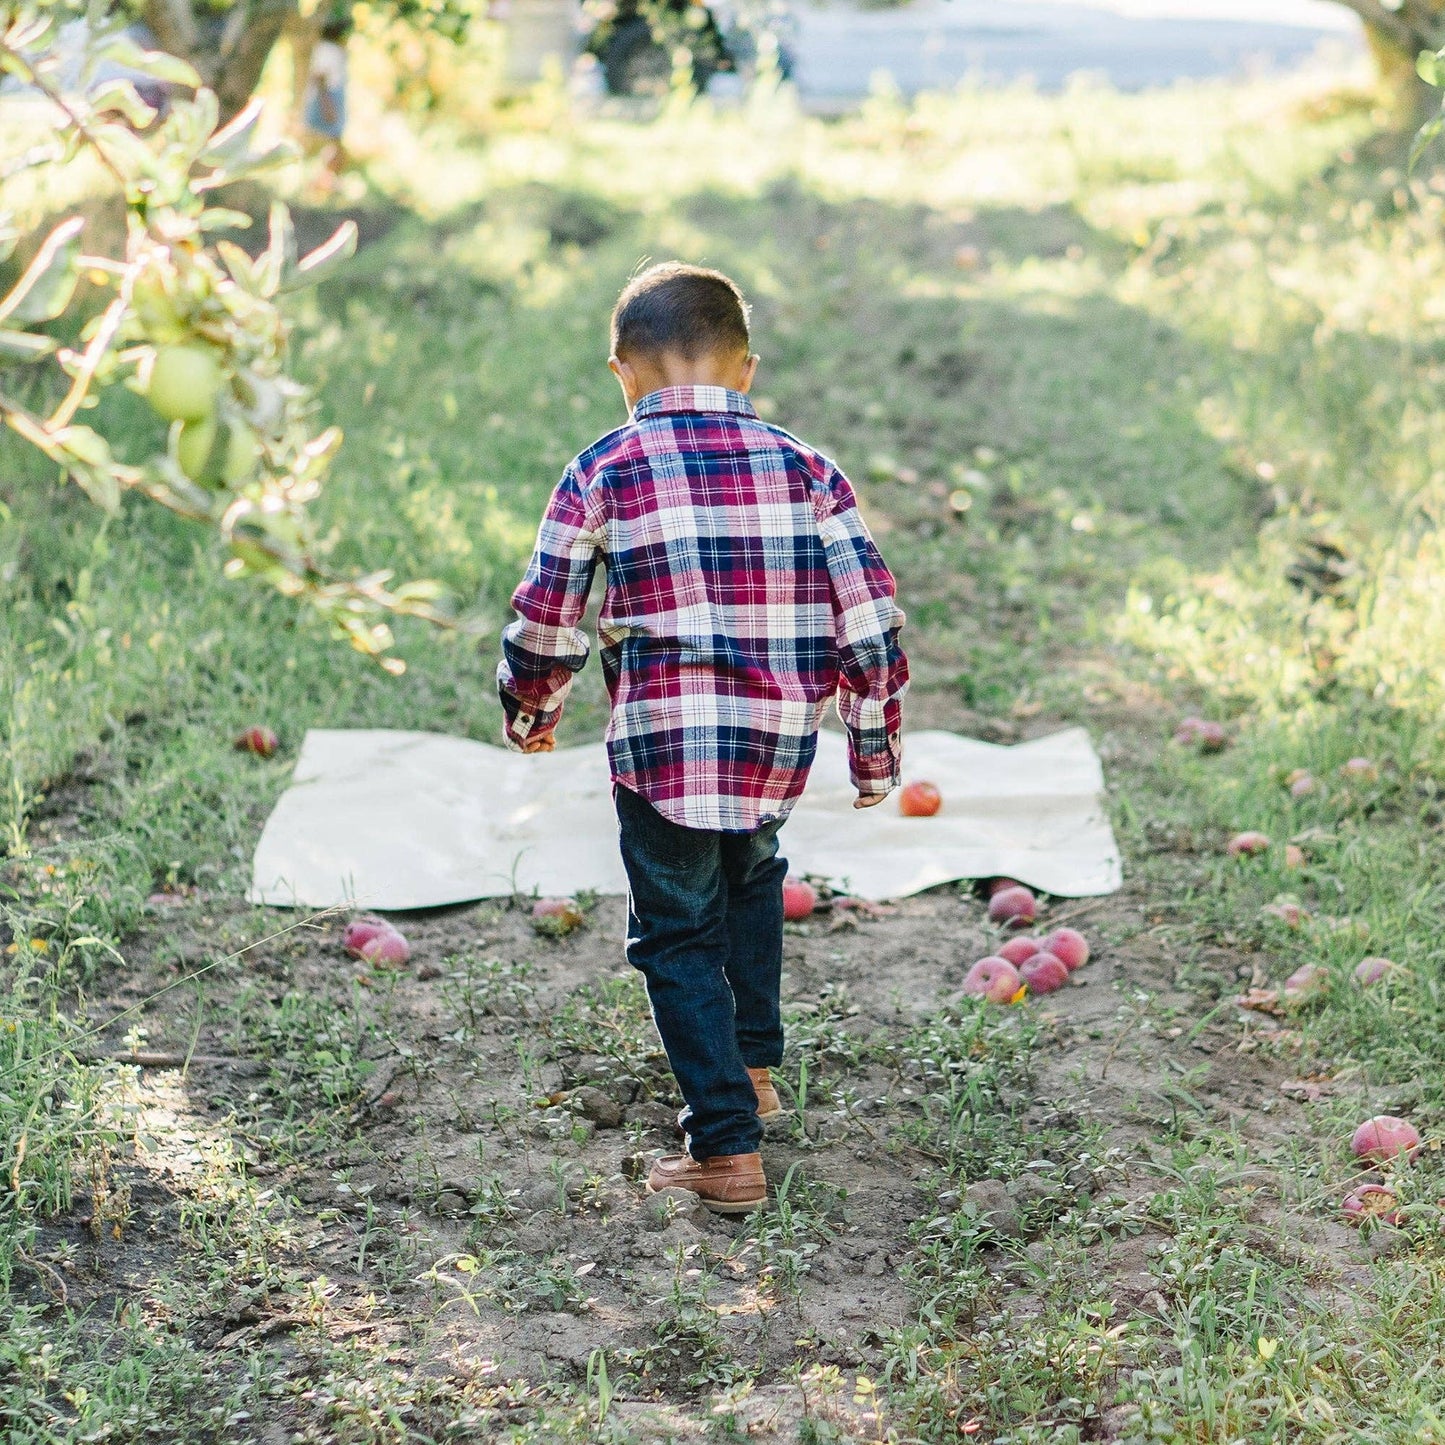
[742, 592]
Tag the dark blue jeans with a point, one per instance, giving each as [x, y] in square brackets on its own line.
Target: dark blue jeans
[705, 929]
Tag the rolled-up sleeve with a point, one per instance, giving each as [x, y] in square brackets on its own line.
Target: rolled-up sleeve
[545, 648]
[873, 671]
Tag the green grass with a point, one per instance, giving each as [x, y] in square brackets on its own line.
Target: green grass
[1108, 371]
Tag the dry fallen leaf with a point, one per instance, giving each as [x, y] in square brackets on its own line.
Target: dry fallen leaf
[1261, 1000]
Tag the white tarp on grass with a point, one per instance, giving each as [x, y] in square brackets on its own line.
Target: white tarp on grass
[399, 820]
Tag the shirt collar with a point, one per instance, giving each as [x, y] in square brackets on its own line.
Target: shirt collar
[692, 398]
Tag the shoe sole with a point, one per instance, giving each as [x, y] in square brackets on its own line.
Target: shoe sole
[722, 1206]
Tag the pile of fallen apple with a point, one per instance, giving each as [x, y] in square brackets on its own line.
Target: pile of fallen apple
[1023, 965]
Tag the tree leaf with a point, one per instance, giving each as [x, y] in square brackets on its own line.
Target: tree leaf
[44, 291]
[187, 130]
[86, 455]
[326, 258]
[1430, 66]
[1423, 137]
[240, 265]
[122, 96]
[24, 346]
[283, 236]
[254, 163]
[121, 49]
[85, 444]
[126, 150]
[280, 252]
[233, 141]
[218, 218]
[27, 31]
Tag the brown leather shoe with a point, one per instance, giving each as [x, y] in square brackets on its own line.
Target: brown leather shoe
[726, 1183]
[770, 1106]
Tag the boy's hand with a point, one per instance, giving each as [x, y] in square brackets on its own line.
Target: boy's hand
[868, 800]
[541, 743]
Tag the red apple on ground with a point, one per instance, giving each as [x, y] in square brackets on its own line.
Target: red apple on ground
[1370, 1201]
[1384, 1137]
[1014, 907]
[359, 932]
[261, 741]
[556, 916]
[1372, 970]
[1307, 984]
[1294, 856]
[799, 900]
[1070, 947]
[993, 978]
[1188, 730]
[1246, 845]
[1044, 973]
[919, 800]
[997, 885]
[1211, 737]
[387, 948]
[1360, 770]
[1019, 950]
[1287, 912]
[1304, 784]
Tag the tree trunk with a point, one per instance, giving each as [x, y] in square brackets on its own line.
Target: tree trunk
[245, 58]
[230, 55]
[1398, 30]
[173, 25]
[1410, 101]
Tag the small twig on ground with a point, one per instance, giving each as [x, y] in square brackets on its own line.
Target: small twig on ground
[367, 1105]
[848, 1105]
[46, 1271]
[153, 1059]
[1114, 1047]
[1080, 911]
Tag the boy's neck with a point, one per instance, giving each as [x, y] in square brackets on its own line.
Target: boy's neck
[642, 375]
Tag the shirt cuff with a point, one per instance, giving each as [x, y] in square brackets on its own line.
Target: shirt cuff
[875, 774]
[524, 721]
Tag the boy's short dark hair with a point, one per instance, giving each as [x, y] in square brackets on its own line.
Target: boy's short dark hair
[689, 311]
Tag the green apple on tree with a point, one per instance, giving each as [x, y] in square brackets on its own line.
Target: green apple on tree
[192, 443]
[184, 384]
[215, 453]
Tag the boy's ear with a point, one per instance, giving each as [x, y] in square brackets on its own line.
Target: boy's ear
[626, 374]
[750, 370]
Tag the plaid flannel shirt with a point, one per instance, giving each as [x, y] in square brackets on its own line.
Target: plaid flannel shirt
[743, 591]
